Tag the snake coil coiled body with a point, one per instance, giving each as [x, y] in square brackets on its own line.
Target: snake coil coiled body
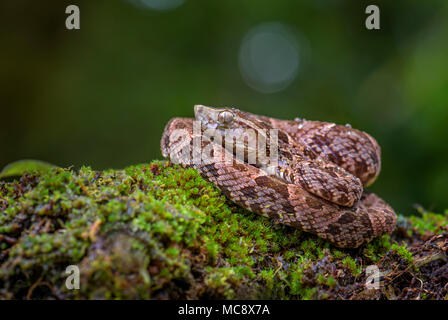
[316, 185]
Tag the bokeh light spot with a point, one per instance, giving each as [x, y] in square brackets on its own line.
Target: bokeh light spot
[269, 57]
[159, 5]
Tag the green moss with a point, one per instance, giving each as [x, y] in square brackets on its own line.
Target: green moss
[376, 249]
[352, 265]
[160, 231]
[403, 252]
[429, 222]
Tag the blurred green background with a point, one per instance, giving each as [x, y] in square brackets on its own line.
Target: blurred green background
[101, 95]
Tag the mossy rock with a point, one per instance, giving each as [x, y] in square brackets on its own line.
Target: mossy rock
[158, 231]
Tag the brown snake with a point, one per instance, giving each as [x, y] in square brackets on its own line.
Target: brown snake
[316, 184]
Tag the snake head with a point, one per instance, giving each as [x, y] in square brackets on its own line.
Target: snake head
[227, 118]
[229, 122]
[222, 122]
[240, 131]
[216, 118]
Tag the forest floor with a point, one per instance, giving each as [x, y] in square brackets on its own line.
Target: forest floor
[157, 231]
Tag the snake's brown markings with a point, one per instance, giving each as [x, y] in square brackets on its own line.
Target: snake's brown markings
[318, 186]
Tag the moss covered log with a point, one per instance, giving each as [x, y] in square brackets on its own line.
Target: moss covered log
[157, 231]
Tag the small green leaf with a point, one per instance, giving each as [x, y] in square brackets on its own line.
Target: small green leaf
[18, 168]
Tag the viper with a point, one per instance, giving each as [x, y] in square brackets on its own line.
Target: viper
[309, 175]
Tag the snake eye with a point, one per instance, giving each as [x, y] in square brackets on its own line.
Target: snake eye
[225, 117]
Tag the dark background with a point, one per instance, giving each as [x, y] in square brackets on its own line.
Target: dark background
[101, 95]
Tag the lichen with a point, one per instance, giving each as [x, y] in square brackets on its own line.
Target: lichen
[160, 231]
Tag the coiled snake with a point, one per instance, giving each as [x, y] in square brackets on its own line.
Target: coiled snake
[316, 183]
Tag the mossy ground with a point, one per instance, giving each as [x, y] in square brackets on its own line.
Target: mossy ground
[160, 231]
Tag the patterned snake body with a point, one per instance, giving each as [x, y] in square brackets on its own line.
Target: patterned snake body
[316, 184]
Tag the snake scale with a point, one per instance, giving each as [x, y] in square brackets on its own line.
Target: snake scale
[316, 184]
